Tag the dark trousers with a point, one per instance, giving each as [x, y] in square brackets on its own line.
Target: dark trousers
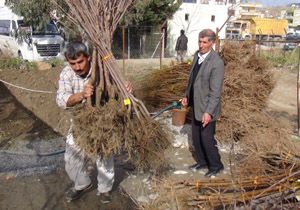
[204, 145]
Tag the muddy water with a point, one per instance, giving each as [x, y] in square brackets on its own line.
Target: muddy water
[43, 189]
[47, 192]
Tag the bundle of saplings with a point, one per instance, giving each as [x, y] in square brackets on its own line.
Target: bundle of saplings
[117, 121]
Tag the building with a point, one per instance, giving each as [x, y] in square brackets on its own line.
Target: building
[249, 10]
[196, 15]
[292, 14]
[2, 3]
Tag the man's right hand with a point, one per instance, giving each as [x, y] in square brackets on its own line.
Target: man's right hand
[81, 96]
[88, 91]
[184, 102]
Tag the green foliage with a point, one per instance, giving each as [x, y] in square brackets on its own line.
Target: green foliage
[276, 60]
[282, 58]
[35, 12]
[29, 65]
[16, 63]
[142, 13]
[293, 57]
[150, 12]
[55, 62]
[10, 63]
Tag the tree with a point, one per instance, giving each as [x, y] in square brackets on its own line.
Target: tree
[36, 12]
[145, 17]
[151, 12]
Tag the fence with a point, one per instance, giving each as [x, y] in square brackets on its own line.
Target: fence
[139, 42]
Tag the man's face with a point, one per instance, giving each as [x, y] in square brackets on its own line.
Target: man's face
[205, 45]
[80, 65]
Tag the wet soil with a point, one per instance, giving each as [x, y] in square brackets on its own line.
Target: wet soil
[17, 122]
[42, 192]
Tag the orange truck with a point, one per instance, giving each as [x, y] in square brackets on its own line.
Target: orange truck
[257, 28]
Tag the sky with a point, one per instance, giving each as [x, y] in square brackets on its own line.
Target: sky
[277, 2]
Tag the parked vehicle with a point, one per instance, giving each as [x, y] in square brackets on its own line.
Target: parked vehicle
[257, 28]
[289, 46]
[292, 37]
[17, 39]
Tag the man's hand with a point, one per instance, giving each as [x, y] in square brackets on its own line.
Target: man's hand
[129, 86]
[184, 102]
[206, 118]
[88, 91]
[79, 97]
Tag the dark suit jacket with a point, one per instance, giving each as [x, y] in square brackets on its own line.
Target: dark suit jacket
[207, 87]
[181, 43]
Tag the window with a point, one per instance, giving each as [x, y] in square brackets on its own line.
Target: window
[231, 12]
[204, 1]
[190, 1]
[213, 18]
[244, 26]
[4, 27]
[14, 25]
[5, 23]
[186, 17]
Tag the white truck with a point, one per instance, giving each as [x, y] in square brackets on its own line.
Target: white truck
[18, 40]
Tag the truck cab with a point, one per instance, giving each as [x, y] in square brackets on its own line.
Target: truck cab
[17, 39]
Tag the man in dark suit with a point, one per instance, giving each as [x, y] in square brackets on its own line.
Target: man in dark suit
[203, 94]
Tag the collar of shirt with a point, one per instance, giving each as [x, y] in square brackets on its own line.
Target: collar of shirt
[201, 58]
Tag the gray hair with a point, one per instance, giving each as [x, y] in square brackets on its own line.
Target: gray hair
[75, 49]
[208, 33]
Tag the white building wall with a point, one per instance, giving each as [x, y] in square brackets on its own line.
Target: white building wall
[200, 17]
[296, 18]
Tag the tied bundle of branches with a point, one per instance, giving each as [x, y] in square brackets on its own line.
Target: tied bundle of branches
[165, 86]
[109, 126]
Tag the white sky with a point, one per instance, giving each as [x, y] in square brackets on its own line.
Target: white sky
[277, 2]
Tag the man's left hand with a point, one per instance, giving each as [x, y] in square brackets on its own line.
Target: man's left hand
[206, 118]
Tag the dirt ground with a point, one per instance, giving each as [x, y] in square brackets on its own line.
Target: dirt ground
[39, 114]
[282, 102]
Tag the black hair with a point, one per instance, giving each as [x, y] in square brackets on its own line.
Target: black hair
[75, 49]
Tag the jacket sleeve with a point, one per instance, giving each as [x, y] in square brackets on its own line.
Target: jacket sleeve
[215, 83]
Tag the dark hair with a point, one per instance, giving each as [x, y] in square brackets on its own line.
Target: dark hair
[182, 31]
[76, 49]
[208, 33]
